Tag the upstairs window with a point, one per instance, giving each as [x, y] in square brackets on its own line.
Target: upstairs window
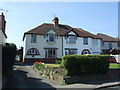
[118, 44]
[85, 41]
[33, 51]
[71, 39]
[51, 38]
[110, 45]
[33, 38]
[103, 44]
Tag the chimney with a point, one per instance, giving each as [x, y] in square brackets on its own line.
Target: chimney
[56, 21]
[3, 22]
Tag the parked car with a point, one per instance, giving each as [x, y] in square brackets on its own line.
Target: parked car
[112, 60]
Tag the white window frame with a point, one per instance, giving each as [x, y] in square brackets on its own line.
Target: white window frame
[33, 51]
[85, 40]
[49, 36]
[53, 52]
[69, 51]
[110, 45]
[33, 38]
[70, 39]
[103, 44]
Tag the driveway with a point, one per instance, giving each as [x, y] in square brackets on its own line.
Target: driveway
[24, 76]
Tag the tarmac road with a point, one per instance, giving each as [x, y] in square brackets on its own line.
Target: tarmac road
[24, 76]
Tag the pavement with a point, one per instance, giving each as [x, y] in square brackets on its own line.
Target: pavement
[24, 76]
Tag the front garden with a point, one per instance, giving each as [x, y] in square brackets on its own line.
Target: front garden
[77, 68]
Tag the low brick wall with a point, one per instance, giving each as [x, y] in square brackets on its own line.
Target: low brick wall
[45, 60]
[113, 74]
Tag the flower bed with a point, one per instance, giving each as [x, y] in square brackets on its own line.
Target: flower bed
[53, 73]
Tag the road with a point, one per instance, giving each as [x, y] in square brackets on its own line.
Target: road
[24, 76]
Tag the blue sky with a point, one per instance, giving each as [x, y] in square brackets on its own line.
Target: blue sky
[94, 17]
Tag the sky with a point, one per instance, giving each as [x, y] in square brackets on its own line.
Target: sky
[94, 17]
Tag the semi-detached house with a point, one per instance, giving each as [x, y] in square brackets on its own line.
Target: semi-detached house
[110, 45]
[51, 41]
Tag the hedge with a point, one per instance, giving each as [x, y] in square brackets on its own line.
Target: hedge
[85, 64]
[8, 57]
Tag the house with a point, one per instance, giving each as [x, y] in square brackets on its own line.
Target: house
[3, 35]
[19, 54]
[110, 45]
[51, 41]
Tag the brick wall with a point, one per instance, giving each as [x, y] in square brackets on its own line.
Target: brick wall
[45, 60]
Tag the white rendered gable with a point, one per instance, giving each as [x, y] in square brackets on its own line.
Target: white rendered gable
[71, 33]
[51, 31]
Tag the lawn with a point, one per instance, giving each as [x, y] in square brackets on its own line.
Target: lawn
[52, 65]
[114, 66]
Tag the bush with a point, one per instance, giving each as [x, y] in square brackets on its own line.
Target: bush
[85, 64]
[8, 57]
[58, 61]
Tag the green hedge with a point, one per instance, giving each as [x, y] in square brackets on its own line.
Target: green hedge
[8, 57]
[85, 64]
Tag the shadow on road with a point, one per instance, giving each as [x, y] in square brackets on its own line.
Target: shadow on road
[21, 80]
[22, 64]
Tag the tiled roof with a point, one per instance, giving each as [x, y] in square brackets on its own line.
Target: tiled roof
[60, 30]
[107, 38]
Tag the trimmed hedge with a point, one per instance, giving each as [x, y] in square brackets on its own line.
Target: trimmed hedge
[8, 57]
[85, 64]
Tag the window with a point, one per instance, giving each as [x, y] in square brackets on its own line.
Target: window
[71, 39]
[103, 44]
[85, 41]
[85, 51]
[110, 45]
[95, 42]
[33, 51]
[33, 38]
[50, 53]
[51, 38]
[71, 52]
[118, 44]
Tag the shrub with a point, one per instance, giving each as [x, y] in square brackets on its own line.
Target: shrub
[8, 57]
[58, 61]
[44, 70]
[85, 64]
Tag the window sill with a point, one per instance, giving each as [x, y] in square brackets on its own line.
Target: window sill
[71, 42]
[85, 44]
[51, 42]
[33, 42]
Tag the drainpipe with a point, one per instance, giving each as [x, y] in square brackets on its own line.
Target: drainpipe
[62, 45]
